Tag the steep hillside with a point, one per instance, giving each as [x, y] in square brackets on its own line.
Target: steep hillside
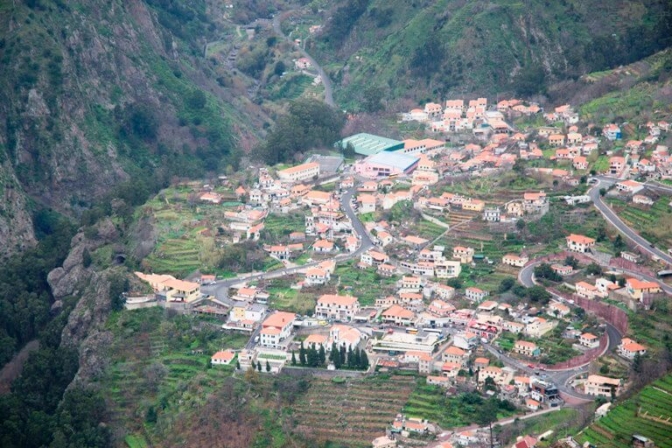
[426, 48]
[94, 94]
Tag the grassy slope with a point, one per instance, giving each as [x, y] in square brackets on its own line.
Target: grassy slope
[482, 44]
[627, 418]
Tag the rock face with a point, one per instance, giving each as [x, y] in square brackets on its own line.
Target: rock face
[90, 96]
[85, 327]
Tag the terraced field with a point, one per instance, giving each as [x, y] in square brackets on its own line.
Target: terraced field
[648, 414]
[352, 413]
[653, 223]
[175, 256]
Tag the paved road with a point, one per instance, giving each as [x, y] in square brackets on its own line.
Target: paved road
[328, 89]
[614, 220]
[221, 287]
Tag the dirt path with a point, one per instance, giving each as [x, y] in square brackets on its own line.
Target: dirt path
[13, 368]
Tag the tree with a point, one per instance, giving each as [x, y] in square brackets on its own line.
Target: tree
[280, 68]
[538, 294]
[237, 365]
[197, 99]
[571, 261]
[268, 366]
[545, 271]
[364, 360]
[259, 366]
[302, 355]
[603, 191]
[373, 97]
[322, 355]
[86, 258]
[487, 415]
[150, 416]
[619, 244]
[293, 358]
[454, 282]
[593, 269]
[506, 284]
[251, 375]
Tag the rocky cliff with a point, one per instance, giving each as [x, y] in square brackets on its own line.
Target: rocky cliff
[93, 94]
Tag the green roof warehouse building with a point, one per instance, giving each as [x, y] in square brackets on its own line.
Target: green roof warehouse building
[369, 144]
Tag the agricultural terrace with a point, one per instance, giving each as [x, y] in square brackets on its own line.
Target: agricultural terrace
[430, 402]
[154, 367]
[647, 414]
[365, 284]
[553, 347]
[354, 412]
[654, 223]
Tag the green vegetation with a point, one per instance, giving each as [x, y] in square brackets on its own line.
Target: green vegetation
[365, 284]
[652, 222]
[644, 414]
[395, 53]
[430, 402]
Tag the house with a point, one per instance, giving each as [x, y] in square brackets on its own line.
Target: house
[534, 202]
[616, 165]
[629, 349]
[634, 258]
[411, 283]
[425, 363]
[251, 312]
[442, 381]
[374, 258]
[276, 328]
[513, 327]
[558, 309]
[299, 173]
[602, 386]
[474, 205]
[222, 357]
[641, 199]
[211, 197]
[314, 197]
[447, 269]
[323, 246]
[386, 270]
[174, 290]
[415, 241]
[629, 186]
[345, 336]
[574, 138]
[580, 163]
[589, 340]
[501, 376]
[398, 315]
[342, 308]
[539, 326]
[475, 294]
[586, 290]
[562, 270]
[488, 305]
[367, 203]
[481, 363]
[518, 261]
[526, 348]
[464, 254]
[612, 132]
[456, 355]
[466, 340]
[317, 276]
[444, 292]
[556, 140]
[532, 405]
[638, 288]
[579, 243]
[384, 238]
[491, 214]
[440, 308]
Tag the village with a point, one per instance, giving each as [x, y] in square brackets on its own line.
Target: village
[388, 251]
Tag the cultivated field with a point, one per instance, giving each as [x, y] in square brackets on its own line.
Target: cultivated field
[352, 413]
[648, 414]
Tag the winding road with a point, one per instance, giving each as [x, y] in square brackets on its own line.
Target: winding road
[220, 288]
[328, 89]
[614, 220]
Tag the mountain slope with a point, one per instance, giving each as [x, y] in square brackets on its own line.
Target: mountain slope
[95, 94]
[427, 48]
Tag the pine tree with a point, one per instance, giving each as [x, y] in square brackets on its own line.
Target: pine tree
[237, 365]
[333, 353]
[293, 358]
[302, 355]
[259, 366]
[268, 366]
[364, 360]
[313, 356]
[342, 354]
[357, 360]
[323, 355]
[351, 358]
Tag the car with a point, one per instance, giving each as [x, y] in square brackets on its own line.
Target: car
[531, 366]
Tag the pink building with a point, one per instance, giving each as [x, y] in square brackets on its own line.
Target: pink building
[386, 164]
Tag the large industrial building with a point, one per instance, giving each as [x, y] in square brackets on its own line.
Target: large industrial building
[386, 164]
[369, 144]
